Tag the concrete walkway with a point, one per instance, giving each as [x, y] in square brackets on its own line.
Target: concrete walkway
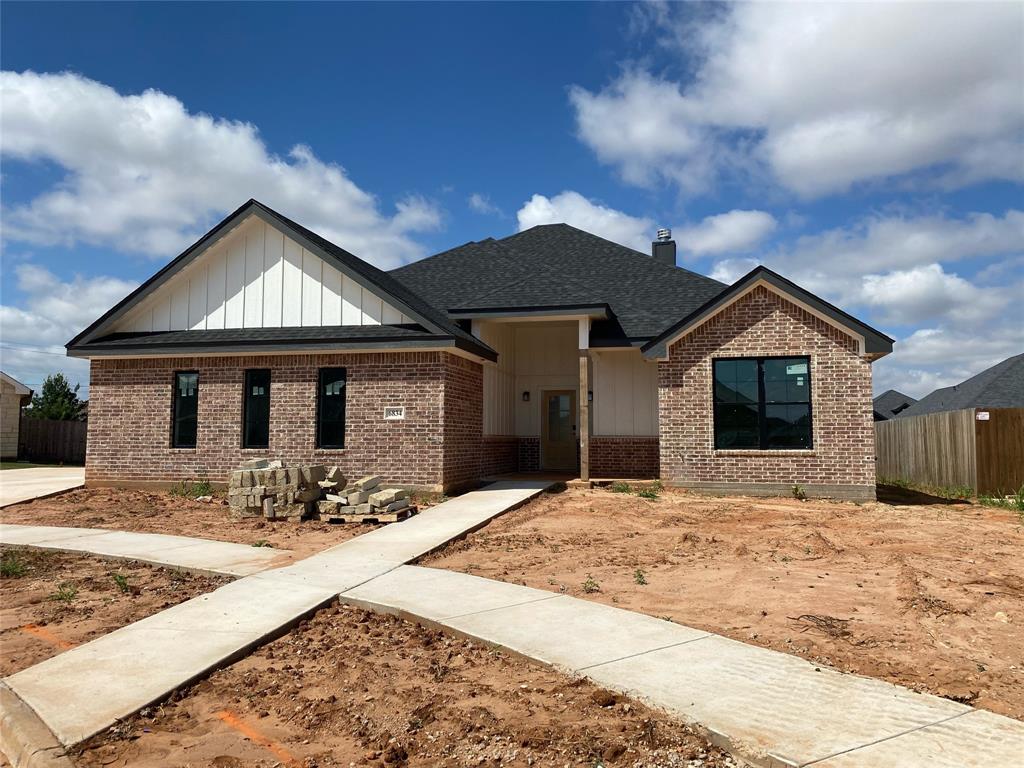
[85, 690]
[32, 483]
[771, 708]
[221, 558]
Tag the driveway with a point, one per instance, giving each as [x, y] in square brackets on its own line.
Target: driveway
[24, 484]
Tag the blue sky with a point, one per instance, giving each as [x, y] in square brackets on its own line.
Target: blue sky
[872, 153]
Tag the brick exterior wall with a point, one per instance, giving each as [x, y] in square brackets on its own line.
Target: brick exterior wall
[529, 454]
[623, 457]
[499, 455]
[435, 446]
[842, 461]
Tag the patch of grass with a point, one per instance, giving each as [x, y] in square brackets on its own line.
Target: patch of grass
[262, 543]
[1014, 501]
[650, 491]
[799, 493]
[621, 488]
[122, 583]
[23, 465]
[192, 489]
[639, 577]
[957, 492]
[12, 566]
[590, 585]
[66, 592]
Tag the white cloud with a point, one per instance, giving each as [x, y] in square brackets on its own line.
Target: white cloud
[482, 204]
[573, 208]
[146, 175]
[894, 89]
[32, 336]
[727, 232]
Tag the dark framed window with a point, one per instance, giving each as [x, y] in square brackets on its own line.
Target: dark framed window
[185, 410]
[256, 416]
[330, 408]
[763, 403]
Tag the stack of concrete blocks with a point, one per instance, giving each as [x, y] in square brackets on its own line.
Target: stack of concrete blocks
[271, 490]
[364, 498]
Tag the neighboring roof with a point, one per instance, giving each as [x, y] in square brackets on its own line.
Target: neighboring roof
[19, 388]
[270, 339]
[1001, 386]
[432, 319]
[556, 265]
[876, 343]
[889, 403]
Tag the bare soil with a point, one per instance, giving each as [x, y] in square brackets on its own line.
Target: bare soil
[163, 512]
[348, 687]
[61, 600]
[923, 593]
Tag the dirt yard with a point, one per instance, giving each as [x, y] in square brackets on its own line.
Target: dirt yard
[162, 512]
[52, 601]
[928, 595]
[348, 687]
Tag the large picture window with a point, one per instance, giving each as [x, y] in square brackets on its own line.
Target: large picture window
[330, 408]
[257, 409]
[763, 403]
[185, 409]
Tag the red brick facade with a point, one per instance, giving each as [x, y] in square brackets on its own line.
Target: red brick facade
[436, 445]
[500, 455]
[842, 461]
[623, 457]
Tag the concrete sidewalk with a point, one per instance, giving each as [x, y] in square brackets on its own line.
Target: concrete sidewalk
[222, 558]
[768, 707]
[85, 690]
[32, 483]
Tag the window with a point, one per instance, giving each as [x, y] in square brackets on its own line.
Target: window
[186, 409]
[763, 403]
[256, 433]
[330, 409]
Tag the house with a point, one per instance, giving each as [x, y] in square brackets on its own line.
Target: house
[968, 436]
[549, 350]
[889, 403]
[13, 395]
[1001, 386]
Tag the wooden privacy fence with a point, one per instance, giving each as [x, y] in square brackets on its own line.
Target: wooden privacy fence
[49, 440]
[977, 448]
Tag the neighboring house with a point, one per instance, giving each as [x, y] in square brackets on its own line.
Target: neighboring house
[1001, 386]
[13, 395]
[552, 349]
[889, 403]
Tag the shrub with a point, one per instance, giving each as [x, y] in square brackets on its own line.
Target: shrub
[12, 566]
[639, 577]
[590, 585]
[192, 489]
[621, 488]
[66, 592]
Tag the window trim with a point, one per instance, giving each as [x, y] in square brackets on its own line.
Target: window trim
[319, 408]
[174, 410]
[246, 387]
[762, 422]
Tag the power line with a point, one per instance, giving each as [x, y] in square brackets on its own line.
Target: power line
[31, 350]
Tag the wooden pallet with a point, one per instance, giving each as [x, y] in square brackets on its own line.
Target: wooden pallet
[369, 517]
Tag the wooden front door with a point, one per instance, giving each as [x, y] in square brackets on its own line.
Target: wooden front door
[558, 430]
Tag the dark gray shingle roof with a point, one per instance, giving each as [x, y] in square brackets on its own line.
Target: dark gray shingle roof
[559, 264]
[891, 402]
[1001, 386]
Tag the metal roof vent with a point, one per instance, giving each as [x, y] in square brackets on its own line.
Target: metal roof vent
[664, 234]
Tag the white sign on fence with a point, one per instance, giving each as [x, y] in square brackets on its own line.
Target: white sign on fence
[981, 415]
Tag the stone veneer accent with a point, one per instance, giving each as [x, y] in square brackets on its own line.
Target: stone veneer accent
[436, 446]
[623, 457]
[842, 461]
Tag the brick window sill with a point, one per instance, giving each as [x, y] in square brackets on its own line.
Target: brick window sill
[771, 452]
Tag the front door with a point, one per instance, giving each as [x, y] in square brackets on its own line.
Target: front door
[558, 430]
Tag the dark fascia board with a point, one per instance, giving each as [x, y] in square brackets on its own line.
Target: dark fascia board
[251, 207]
[599, 311]
[186, 348]
[876, 343]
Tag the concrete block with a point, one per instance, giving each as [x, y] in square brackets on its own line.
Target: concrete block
[358, 497]
[396, 506]
[255, 464]
[334, 475]
[337, 498]
[367, 483]
[307, 494]
[385, 497]
[328, 507]
[328, 485]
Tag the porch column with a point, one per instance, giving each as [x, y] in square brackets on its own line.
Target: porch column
[584, 398]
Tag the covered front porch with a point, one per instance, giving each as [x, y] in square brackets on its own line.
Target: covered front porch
[555, 404]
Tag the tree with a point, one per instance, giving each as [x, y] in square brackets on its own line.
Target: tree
[55, 400]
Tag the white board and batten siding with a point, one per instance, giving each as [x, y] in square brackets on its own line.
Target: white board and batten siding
[625, 390]
[256, 277]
